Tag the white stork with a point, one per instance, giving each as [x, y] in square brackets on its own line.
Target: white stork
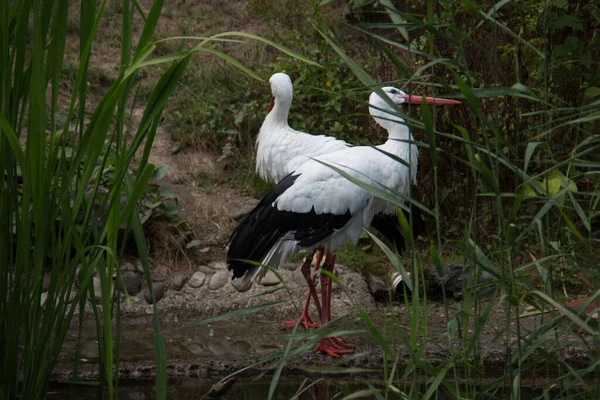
[316, 208]
[280, 150]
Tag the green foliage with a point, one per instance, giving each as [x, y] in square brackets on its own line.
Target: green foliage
[231, 107]
[513, 172]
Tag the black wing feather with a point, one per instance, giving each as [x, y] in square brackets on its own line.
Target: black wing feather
[265, 225]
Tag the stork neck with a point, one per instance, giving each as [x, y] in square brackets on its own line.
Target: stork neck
[397, 130]
[281, 110]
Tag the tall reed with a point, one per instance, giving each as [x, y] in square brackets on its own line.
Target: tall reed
[532, 196]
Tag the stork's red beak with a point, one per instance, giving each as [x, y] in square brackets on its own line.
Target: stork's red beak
[414, 99]
[271, 104]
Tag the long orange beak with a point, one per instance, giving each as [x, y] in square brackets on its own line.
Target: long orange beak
[414, 99]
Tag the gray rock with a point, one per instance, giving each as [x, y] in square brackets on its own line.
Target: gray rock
[138, 266]
[217, 265]
[198, 349]
[378, 288]
[237, 284]
[218, 280]
[178, 281]
[46, 281]
[159, 292]
[97, 288]
[237, 209]
[127, 266]
[270, 279]
[290, 266]
[197, 279]
[205, 269]
[240, 348]
[298, 278]
[455, 277]
[216, 348]
[72, 295]
[130, 282]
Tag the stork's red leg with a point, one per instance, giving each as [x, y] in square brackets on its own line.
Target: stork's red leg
[305, 319]
[331, 345]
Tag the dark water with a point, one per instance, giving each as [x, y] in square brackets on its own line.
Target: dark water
[188, 389]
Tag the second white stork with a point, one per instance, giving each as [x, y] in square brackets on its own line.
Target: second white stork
[280, 150]
[316, 208]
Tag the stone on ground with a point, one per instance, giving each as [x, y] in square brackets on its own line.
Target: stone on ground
[131, 282]
[270, 279]
[197, 279]
[159, 292]
[218, 280]
[178, 282]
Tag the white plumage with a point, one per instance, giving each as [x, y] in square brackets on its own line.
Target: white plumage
[319, 189]
[281, 149]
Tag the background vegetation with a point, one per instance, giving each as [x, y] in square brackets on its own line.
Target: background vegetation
[509, 183]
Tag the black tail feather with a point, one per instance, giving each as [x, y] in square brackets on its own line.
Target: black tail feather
[389, 226]
[265, 225]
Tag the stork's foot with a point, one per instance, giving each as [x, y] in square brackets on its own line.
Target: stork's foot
[305, 321]
[333, 347]
[338, 343]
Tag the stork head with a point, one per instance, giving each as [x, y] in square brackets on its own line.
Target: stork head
[282, 89]
[384, 113]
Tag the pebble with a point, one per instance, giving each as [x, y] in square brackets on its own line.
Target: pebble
[216, 349]
[130, 282]
[298, 279]
[72, 295]
[270, 279]
[197, 279]
[290, 266]
[240, 348]
[218, 280]
[178, 282]
[138, 266]
[217, 265]
[206, 269]
[237, 284]
[127, 266]
[198, 350]
[159, 292]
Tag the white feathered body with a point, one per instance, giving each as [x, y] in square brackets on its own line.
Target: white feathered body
[280, 149]
[315, 207]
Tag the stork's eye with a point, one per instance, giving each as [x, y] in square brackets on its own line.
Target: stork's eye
[393, 91]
